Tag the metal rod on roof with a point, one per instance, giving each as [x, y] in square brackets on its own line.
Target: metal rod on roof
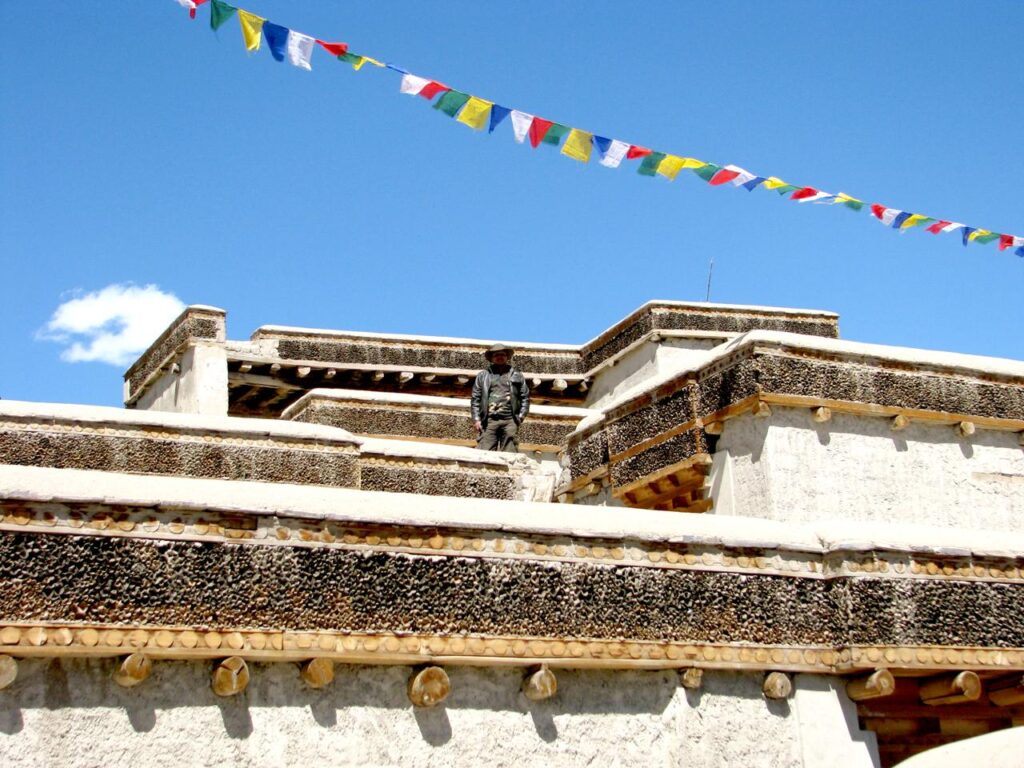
[711, 267]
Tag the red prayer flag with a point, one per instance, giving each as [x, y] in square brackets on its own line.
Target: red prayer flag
[804, 193]
[538, 128]
[192, 11]
[878, 210]
[431, 89]
[634, 152]
[936, 228]
[723, 177]
[335, 49]
[1005, 241]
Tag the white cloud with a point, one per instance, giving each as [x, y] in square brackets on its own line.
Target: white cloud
[111, 325]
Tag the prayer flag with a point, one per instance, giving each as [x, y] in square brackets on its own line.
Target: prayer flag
[538, 128]
[300, 49]
[754, 183]
[475, 113]
[635, 152]
[984, 236]
[219, 13]
[808, 194]
[1005, 241]
[849, 202]
[358, 61]
[706, 171]
[913, 220]
[742, 177]
[672, 165]
[498, 113]
[897, 222]
[611, 150]
[335, 49]
[774, 183]
[1020, 252]
[451, 102]
[650, 163]
[191, 5]
[944, 226]
[521, 122]
[578, 145]
[412, 85]
[431, 89]
[726, 175]
[251, 25]
[555, 133]
[277, 39]
[967, 232]
[885, 215]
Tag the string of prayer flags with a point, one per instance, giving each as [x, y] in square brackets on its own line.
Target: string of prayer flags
[478, 113]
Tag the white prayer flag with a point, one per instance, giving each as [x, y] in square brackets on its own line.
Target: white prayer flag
[300, 49]
[616, 151]
[412, 84]
[521, 124]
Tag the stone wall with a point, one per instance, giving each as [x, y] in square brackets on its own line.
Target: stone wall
[71, 713]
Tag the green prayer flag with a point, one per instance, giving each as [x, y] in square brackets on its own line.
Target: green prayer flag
[987, 238]
[707, 171]
[555, 133]
[451, 102]
[219, 13]
[785, 189]
[855, 205]
[650, 164]
[349, 58]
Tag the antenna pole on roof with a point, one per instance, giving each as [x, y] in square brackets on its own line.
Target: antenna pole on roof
[711, 267]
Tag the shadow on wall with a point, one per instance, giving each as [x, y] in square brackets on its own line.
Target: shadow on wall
[86, 684]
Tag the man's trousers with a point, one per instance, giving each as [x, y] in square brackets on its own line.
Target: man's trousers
[499, 435]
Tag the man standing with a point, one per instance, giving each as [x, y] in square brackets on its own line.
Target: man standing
[499, 403]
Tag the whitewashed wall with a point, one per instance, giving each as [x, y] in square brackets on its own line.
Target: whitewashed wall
[71, 713]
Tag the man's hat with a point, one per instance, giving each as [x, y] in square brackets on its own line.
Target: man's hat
[496, 348]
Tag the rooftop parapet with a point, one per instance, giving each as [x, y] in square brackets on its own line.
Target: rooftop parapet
[654, 443]
[425, 418]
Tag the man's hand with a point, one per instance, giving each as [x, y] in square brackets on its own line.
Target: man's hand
[478, 427]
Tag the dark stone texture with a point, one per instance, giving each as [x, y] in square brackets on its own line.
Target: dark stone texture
[617, 340]
[927, 612]
[654, 419]
[177, 457]
[720, 390]
[389, 421]
[468, 484]
[192, 326]
[132, 581]
[438, 358]
[588, 454]
[667, 318]
[672, 451]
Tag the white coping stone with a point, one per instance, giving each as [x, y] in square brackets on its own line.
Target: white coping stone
[703, 306]
[999, 749]
[410, 399]
[955, 362]
[44, 484]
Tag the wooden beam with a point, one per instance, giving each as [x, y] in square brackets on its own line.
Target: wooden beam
[133, 670]
[230, 677]
[874, 686]
[275, 369]
[428, 687]
[692, 678]
[965, 428]
[761, 410]
[245, 367]
[535, 382]
[715, 427]
[951, 689]
[462, 380]
[583, 386]
[318, 672]
[404, 377]
[899, 422]
[777, 685]
[539, 683]
[302, 371]
[330, 373]
[428, 378]
[8, 671]
[1009, 693]
[559, 385]
[821, 414]
[377, 375]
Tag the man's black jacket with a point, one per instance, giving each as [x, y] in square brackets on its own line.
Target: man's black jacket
[482, 387]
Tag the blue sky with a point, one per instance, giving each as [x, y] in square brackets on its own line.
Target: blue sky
[136, 146]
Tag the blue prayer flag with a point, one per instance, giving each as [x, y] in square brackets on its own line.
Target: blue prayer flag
[602, 145]
[967, 234]
[277, 39]
[498, 113]
[900, 218]
[754, 183]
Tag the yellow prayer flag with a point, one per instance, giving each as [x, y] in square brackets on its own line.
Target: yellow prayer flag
[774, 183]
[842, 197]
[358, 64]
[475, 113]
[671, 165]
[913, 220]
[578, 145]
[979, 233]
[252, 25]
